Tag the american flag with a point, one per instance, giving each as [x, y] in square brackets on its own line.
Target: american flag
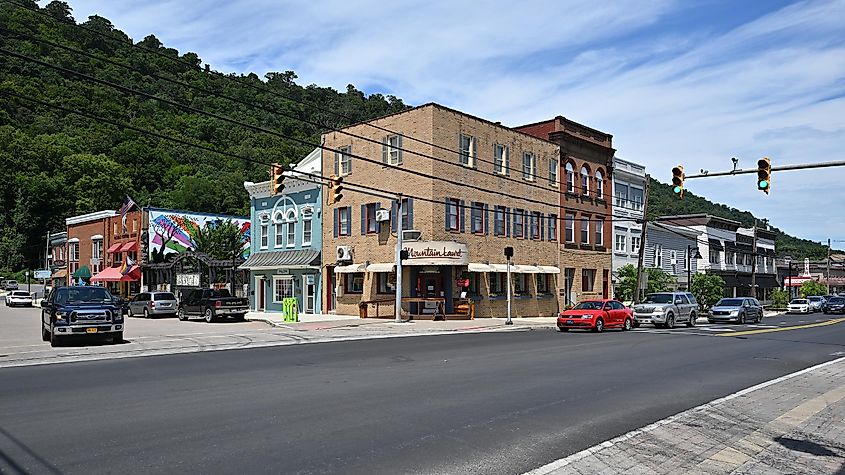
[128, 203]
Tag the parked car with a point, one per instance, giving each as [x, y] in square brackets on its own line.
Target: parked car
[149, 304]
[834, 305]
[665, 309]
[816, 302]
[596, 315]
[739, 310]
[10, 285]
[80, 310]
[19, 298]
[211, 305]
[799, 306]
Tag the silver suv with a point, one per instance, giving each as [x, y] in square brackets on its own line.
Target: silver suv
[665, 309]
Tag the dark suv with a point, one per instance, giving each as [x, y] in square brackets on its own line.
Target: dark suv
[81, 310]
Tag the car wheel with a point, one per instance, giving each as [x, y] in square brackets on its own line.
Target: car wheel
[117, 337]
[181, 315]
[692, 318]
[599, 326]
[628, 325]
[561, 329]
[670, 321]
[146, 313]
[54, 339]
[209, 315]
[741, 319]
[636, 324]
[759, 318]
[45, 335]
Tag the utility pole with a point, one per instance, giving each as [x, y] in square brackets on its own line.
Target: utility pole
[398, 304]
[754, 262]
[641, 255]
[828, 267]
[508, 255]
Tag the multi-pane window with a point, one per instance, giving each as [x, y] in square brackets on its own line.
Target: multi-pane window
[468, 150]
[343, 225]
[453, 215]
[370, 217]
[585, 181]
[730, 257]
[278, 233]
[536, 222]
[599, 185]
[307, 229]
[499, 221]
[543, 283]
[343, 161]
[518, 224]
[353, 283]
[600, 232]
[477, 218]
[673, 256]
[73, 251]
[529, 165]
[386, 282]
[570, 227]
[291, 225]
[500, 160]
[621, 196]
[393, 150]
[520, 283]
[552, 231]
[585, 230]
[635, 243]
[658, 256]
[570, 178]
[282, 287]
[588, 278]
[620, 243]
[553, 172]
[714, 256]
[264, 236]
[636, 198]
[497, 283]
[406, 214]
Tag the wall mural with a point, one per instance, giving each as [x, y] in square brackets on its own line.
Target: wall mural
[171, 232]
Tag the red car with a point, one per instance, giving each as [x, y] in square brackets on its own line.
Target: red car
[596, 315]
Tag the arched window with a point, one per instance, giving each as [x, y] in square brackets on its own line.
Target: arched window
[278, 229]
[570, 178]
[599, 185]
[585, 181]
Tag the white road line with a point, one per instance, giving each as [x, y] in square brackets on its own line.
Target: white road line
[560, 463]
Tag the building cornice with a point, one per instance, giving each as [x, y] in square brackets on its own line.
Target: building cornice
[85, 218]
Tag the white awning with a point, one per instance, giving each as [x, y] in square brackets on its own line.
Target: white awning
[527, 269]
[96, 236]
[475, 267]
[382, 267]
[350, 269]
[549, 270]
[500, 268]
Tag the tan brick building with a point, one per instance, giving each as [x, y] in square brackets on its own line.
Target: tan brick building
[464, 215]
[586, 156]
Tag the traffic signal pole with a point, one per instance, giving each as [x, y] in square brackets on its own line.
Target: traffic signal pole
[398, 304]
[783, 168]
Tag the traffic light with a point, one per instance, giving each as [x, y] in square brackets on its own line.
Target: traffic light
[277, 177]
[336, 185]
[764, 175]
[678, 181]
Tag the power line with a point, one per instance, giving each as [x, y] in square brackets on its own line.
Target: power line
[264, 130]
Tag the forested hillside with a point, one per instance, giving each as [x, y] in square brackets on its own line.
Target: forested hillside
[55, 164]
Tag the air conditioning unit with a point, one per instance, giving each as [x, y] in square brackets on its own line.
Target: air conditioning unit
[382, 215]
[344, 253]
[411, 235]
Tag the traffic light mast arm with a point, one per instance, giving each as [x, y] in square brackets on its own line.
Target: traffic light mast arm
[782, 168]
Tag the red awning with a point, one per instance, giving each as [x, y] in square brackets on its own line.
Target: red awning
[114, 248]
[129, 246]
[112, 274]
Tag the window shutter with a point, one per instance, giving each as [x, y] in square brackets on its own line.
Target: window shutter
[461, 157]
[462, 215]
[384, 149]
[393, 226]
[378, 223]
[486, 219]
[363, 220]
[349, 220]
[400, 150]
[410, 213]
[514, 223]
[446, 208]
[507, 222]
[336, 221]
[540, 220]
[474, 152]
[506, 159]
[337, 163]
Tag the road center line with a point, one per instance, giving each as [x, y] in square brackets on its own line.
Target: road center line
[781, 329]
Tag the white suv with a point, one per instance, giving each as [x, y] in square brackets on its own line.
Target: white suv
[665, 309]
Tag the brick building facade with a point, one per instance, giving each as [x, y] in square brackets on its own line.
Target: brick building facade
[87, 241]
[464, 215]
[586, 157]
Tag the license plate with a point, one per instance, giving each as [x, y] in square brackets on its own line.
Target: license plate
[569, 322]
[90, 330]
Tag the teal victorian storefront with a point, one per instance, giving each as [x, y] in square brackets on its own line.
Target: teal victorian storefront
[287, 241]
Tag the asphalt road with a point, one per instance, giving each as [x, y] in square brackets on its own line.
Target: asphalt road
[483, 403]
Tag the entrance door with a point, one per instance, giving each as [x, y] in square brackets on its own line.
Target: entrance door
[310, 292]
[331, 291]
[432, 286]
[259, 294]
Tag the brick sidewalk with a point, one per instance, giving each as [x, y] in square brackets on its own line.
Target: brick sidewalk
[792, 425]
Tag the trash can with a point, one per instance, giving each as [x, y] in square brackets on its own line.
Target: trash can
[362, 309]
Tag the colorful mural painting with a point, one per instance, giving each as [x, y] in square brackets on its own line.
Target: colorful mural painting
[170, 232]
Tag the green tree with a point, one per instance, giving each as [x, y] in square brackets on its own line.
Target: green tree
[658, 281]
[780, 298]
[708, 289]
[812, 287]
[220, 240]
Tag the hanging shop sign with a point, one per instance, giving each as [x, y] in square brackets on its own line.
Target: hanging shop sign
[188, 280]
[436, 253]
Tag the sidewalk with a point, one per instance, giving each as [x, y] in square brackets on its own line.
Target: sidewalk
[791, 425]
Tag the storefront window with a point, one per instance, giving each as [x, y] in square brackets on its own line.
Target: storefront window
[474, 279]
[588, 278]
[520, 284]
[544, 283]
[497, 283]
[386, 282]
[354, 283]
[282, 287]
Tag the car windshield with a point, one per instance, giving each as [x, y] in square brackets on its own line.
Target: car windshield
[729, 303]
[12, 282]
[83, 295]
[814, 299]
[836, 300]
[589, 305]
[220, 293]
[163, 296]
[799, 302]
[20, 294]
[658, 298]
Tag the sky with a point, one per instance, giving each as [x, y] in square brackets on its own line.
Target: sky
[675, 82]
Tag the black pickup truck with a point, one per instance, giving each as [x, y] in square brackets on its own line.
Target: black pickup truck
[211, 305]
[81, 310]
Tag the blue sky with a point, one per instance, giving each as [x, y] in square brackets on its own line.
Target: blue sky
[694, 83]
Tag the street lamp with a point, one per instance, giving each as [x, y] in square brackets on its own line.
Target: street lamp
[788, 276]
[689, 265]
